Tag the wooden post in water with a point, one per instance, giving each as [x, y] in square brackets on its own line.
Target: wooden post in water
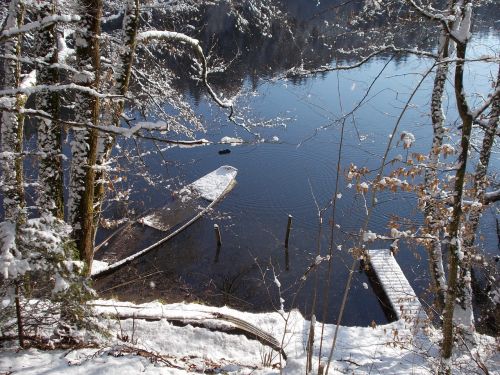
[217, 235]
[288, 227]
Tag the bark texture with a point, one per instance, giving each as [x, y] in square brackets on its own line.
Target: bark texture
[434, 221]
[84, 144]
[456, 252]
[122, 79]
[50, 174]
[12, 124]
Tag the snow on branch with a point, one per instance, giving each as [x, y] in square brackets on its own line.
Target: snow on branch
[145, 36]
[55, 88]
[46, 21]
[428, 14]
[463, 33]
[113, 130]
[171, 36]
[475, 113]
[146, 125]
[492, 196]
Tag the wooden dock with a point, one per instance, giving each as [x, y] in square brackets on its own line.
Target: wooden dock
[396, 287]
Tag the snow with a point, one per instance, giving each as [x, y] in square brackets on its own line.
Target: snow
[390, 349]
[231, 141]
[52, 88]
[168, 35]
[463, 33]
[369, 236]
[407, 138]
[364, 186]
[277, 282]
[146, 125]
[212, 185]
[99, 266]
[37, 24]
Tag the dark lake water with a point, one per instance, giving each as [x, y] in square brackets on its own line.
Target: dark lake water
[292, 169]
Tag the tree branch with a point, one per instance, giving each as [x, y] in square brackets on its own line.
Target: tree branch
[492, 197]
[294, 72]
[71, 86]
[171, 36]
[46, 21]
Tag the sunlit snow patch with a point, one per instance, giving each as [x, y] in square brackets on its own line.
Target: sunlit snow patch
[98, 265]
[231, 141]
[212, 185]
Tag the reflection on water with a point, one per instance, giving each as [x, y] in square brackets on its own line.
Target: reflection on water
[292, 174]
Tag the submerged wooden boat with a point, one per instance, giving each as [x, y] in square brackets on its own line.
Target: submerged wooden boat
[158, 226]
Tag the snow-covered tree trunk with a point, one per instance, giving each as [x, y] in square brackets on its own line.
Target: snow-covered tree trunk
[11, 160]
[432, 216]
[122, 78]
[458, 312]
[50, 173]
[129, 44]
[84, 144]
[12, 123]
[463, 314]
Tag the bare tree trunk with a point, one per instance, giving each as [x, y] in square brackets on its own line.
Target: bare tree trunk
[122, 78]
[50, 173]
[84, 145]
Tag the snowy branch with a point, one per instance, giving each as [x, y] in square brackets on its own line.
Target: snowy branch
[475, 113]
[171, 36]
[427, 14]
[55, 88]
[492, 196]
[47, 21]
[113, 130]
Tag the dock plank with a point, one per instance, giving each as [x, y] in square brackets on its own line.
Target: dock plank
[398, 290]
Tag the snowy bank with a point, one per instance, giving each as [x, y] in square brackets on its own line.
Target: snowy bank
[158, 346]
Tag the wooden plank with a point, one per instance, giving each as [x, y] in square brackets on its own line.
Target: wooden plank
[398, 290]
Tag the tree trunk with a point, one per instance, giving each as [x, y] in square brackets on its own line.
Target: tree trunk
[12, 124]
[50, 173]
[431, 180]
[480, 180]
[122, 79]
[84, 145]
[11, 145]
[456, 255]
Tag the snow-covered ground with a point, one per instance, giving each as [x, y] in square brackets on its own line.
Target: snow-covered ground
[161, 347]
